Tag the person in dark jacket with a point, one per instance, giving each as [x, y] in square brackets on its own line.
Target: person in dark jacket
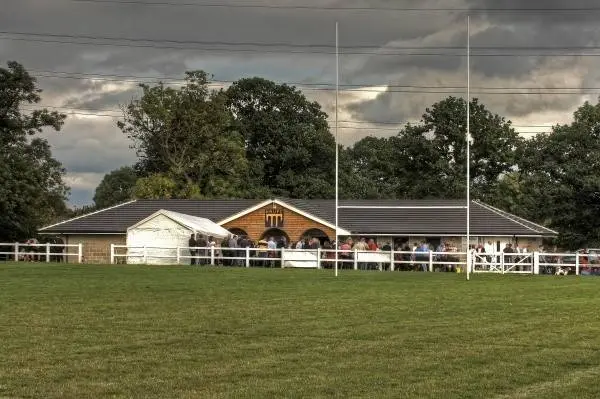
[202, 252]
[192, 244]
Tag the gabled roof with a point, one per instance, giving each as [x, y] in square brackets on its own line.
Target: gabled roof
[193, 223]
[313, 215]
[394, 217]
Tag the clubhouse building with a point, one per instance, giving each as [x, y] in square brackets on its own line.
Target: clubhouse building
[387, 221]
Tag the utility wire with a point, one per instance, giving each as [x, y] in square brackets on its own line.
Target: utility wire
[347, 123]
[292, 45]
[180, 80]
[144, 79]
[376, 53]
[339, 8]
[407, 89]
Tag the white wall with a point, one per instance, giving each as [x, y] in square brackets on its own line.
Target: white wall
[159, 231]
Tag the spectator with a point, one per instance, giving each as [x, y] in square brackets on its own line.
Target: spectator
[262, 253]
[272, 246]
[233, 244]
[315, 243]
[421, 255]
[372, 246]
[202, 252]
[508, 249]
[345, 253]
[192, 245]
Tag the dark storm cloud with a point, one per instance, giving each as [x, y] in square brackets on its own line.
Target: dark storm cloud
[90, 146]
[545, 17]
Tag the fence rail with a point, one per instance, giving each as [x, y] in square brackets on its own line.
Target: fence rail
[20, 252]
[499, 263]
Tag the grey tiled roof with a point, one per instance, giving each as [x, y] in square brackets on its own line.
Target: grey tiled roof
[398, 217]
[117, 219]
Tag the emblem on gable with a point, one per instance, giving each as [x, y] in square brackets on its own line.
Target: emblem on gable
[274, 217]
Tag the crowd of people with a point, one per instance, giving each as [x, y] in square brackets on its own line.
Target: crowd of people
[234, 251]
[266, 252]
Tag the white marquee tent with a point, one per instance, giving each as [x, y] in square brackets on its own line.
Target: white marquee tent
[157, 237]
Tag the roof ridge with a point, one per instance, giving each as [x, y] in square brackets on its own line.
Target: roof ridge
[517, 217]
[511, 217]
[87, 215]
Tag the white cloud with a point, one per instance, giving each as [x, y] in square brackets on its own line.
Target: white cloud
[84, 181]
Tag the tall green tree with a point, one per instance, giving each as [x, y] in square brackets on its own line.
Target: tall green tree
[560, 179]
[367, 169]
[32, 191]
[116, 187]
[188, 135]
[289, 147]
[428, 159]
[441, 136]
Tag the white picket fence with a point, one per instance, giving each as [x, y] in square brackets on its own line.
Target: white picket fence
[500, 263]
[19, 252]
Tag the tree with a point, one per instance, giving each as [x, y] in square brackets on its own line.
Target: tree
[162, 186]
[32, 192]
[289, 147]
[116, 187]
[560, 179]
[428, 159]
[187, 135]
[367, 170]
[493, 147]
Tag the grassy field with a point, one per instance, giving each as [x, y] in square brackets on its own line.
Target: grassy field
[181, 332]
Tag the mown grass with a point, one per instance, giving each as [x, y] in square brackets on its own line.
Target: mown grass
[180, 332]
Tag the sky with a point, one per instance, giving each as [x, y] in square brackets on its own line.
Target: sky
[529, 62]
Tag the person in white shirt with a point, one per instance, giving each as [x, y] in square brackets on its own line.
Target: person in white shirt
[489, 248]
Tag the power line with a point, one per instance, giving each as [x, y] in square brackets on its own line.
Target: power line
[332, 8]
[406, 89]
[347, 123]
[180, 80]
[359, 128]
[261, 50]
[292, 45]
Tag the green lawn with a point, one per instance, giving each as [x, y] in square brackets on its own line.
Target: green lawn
[179, 332]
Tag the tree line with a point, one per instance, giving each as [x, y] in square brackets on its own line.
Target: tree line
[259, 139]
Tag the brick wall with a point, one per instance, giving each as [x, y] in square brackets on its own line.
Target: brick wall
[96, 247]
[294, 224]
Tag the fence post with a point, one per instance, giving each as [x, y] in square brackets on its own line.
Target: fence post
[247, 256]
[212, 255]
[16, 251]
[282, 257]
[112, 254]
[319, 258]
[576, 263]
[355, 259]
[502, 261]
[145, 256]
[431, 261]
[392, 259]
[178, 255]
[80, 253]
[536, 262]
[47, 252]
